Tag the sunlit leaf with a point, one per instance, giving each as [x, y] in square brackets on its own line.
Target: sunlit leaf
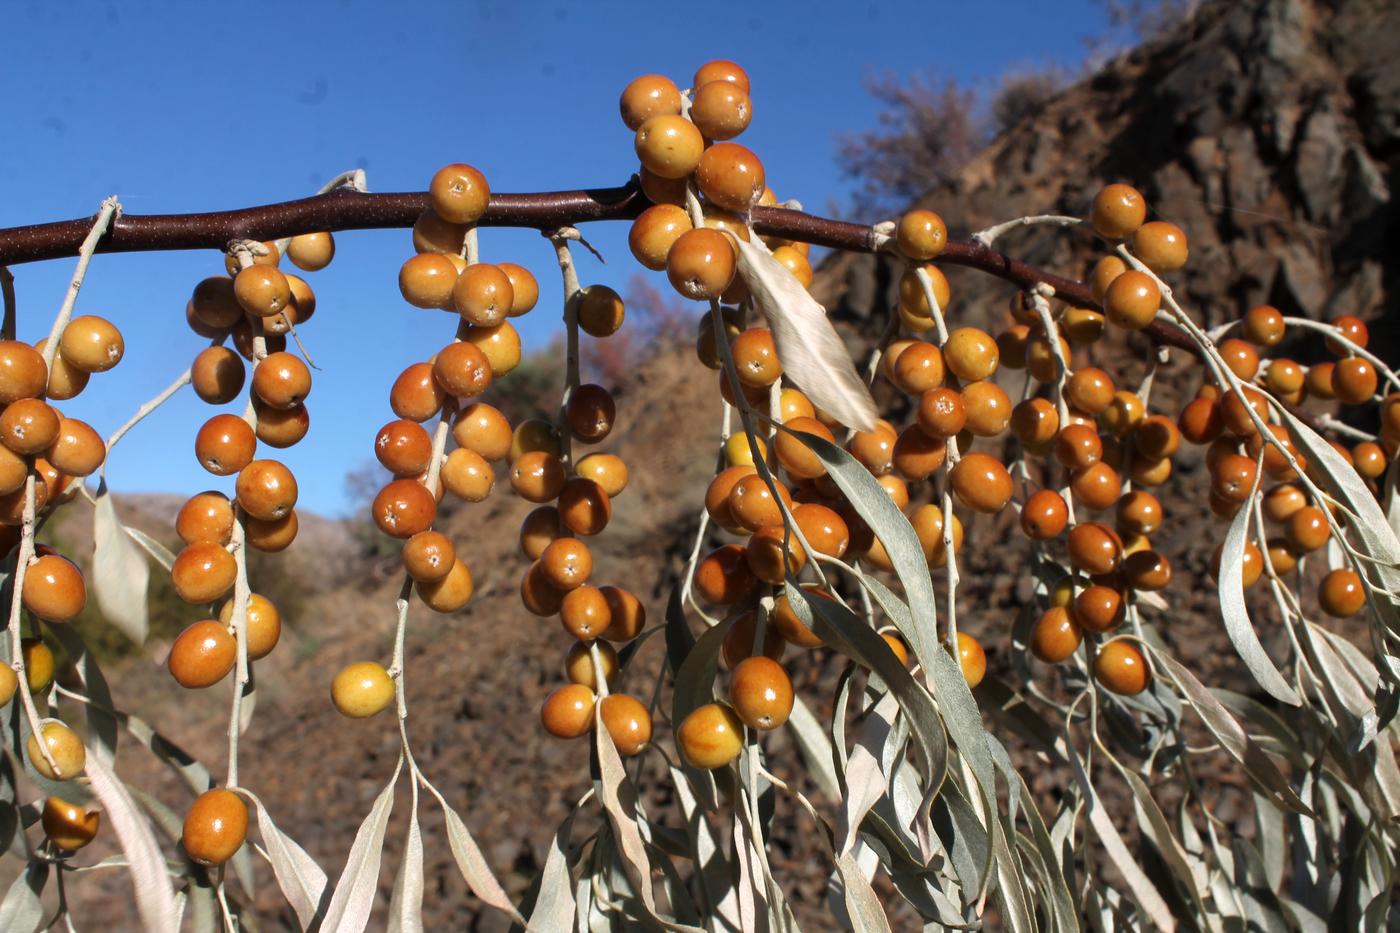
[119, 571]
[353, 899]
[155, 899]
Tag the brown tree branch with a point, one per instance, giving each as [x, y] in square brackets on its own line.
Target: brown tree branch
[348, 209]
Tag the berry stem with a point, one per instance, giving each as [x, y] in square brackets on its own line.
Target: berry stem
[160, 399]
[989, 236]
[110, 209]
[560, 238]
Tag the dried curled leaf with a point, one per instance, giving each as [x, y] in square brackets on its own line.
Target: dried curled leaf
[811, 351]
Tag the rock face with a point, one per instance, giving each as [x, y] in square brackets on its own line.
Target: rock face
[1267, 130]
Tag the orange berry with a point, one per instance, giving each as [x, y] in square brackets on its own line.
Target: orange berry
[22, 372]
[720, 109]
[579, 666]
[483, 294]
[921, 234]
[669, 145]
[584, 508]
[215, 827]
[451, 593]
[1161, 246]
[263, 624]
[761, 692]
[1044, 515]
[647, 97]
[1121, 668]
[653, 233]
[403, 447]
[94, 344]
[362, 690]
[459, 193]
[567, 713]
[426, 280]
[1094, 548]
[54, 589]
[971, 354]
[794, 455]
[202, 655]
[972, 659]
[266, 489]
[730, 175]
[981, 482]
[711, 736]
[205, 517]
[1350, 328]
[28, 426]
[1132, 300]
[701, 264]
[1263, 325]
[628, 723]
[68, 826]
[64, 747]
[461, 369]
[1055, 635]
[723, 577]
[1117, 212]
[1341, 594]
[403, 508]
[627, 614]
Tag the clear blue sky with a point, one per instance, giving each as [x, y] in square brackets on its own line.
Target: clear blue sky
[196, 106]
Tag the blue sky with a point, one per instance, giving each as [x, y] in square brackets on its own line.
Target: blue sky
[197, 106]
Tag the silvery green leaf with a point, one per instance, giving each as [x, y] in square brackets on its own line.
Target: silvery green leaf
[23, 908]
[302, 881]
[406, 904]
[155, 899]
[554, 900]
[119, 572]
[158, 552]
[1234, 612]
[1228, 733]
[472, 864]
[841, 629]
[694, 684]
[1153, 825]
[1371, 527]
[943, 676]
[811, 351]
[815, 746]
[863, 908]
[353, 899]
[1143, 891]
[194, 774]
[102, 723]
[865, 778]
[679, 640]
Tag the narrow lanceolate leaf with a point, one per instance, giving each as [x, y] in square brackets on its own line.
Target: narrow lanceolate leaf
[353, 899]
[155, 899]
[472, 864]
[815, 746]
[863, 908]
[1377, 537]
[1258, 765]
[158, 552]
[619, 799]
[406, 905]
[1144, 892]
[302, 881]
[919, 625]
[865, 776]
[120, 572]
[554, 903]
[811, 351]
[22, 911]
[1236, 615]
[102, 721]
